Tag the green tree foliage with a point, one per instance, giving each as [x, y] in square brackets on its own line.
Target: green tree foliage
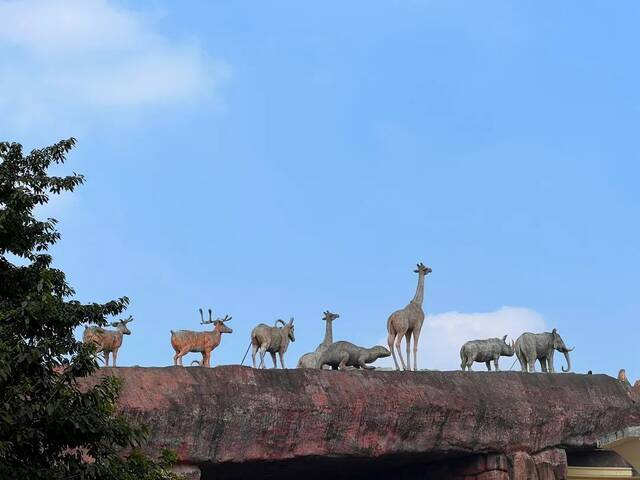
[51, 425]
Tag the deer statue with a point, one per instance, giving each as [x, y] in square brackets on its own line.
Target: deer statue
[310, 360]
[107, 341]
[407, 323]
[185, 341]
[273, 340]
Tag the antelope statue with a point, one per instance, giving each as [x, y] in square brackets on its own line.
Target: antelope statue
[185, 341]
[107, 341]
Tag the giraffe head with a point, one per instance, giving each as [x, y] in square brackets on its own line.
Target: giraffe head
[422, 269]
[330, 317]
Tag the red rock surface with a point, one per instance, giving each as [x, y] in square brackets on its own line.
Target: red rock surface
[233, 414]
[546, 465]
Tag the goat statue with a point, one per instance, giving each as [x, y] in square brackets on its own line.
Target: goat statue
[273, 340]
[107, 341]
[186, 341]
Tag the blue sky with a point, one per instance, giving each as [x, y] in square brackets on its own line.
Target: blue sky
[277, 159]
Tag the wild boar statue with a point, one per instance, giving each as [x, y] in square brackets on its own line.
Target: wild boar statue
[485, 351]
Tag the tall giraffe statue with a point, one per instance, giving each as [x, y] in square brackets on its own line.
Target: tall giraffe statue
[408, 322]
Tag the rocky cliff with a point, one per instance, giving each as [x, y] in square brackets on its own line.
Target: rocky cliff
[232, 419]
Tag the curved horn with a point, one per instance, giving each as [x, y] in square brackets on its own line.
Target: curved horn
[291, 321]
[504, 339]
[571, 349]
[281, 321]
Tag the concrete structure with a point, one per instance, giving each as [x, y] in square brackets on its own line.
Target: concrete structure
[238, 422]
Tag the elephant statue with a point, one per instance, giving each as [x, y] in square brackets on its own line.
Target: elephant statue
[540, 346]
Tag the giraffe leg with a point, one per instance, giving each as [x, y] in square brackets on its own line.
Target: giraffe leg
[398, 344]
[390, 340]
[416, 337]
[407, 339]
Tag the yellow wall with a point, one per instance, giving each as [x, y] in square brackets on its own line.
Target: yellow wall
[600, 473]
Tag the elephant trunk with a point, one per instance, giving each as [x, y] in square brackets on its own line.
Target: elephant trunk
[566, 356]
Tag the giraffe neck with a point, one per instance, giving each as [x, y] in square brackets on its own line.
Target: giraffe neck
[328, 333]
[419, 296]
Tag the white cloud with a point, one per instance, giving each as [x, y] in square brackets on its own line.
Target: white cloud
[443, 334]
[79, 58]
[68, 26]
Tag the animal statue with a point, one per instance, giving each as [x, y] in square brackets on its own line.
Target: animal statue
[540, 346]
[107, 341]
[186, 341]
[407, 323]
[273, 340]
[622, 377]
[310, 360]
[485, 351]
[340, 355]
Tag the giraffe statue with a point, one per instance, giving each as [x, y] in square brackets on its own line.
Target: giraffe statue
[408, 322]
[310, 360]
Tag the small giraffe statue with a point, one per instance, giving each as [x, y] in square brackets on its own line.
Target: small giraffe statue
[407, 323]
[310, 360]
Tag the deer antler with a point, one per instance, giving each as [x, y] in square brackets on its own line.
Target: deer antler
[225, 319]
[203, 321]
[130, 319]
